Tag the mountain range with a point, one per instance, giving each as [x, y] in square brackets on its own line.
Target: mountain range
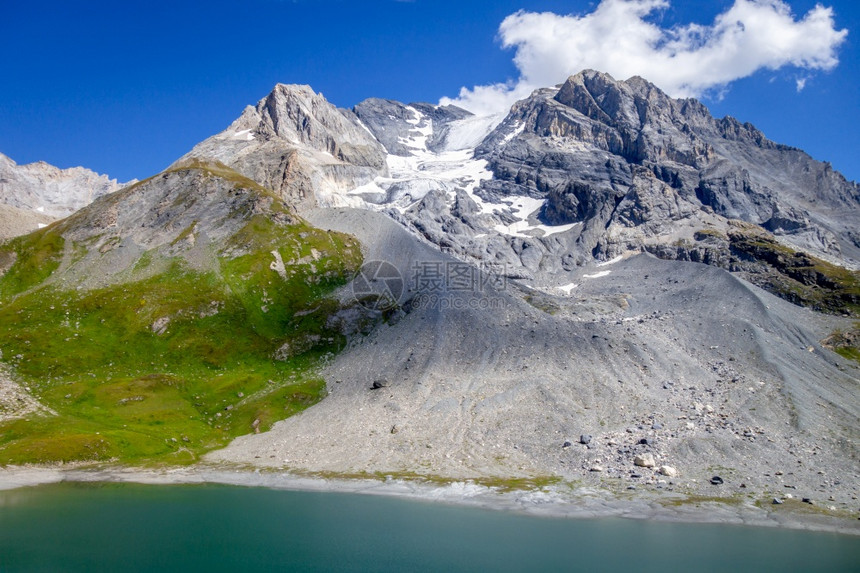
[586, 171]
[604, 285]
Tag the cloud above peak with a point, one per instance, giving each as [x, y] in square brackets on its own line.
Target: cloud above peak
[685, 61]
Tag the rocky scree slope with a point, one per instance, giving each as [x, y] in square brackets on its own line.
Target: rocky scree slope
[15, 221]
[166, 318]
[673, 363]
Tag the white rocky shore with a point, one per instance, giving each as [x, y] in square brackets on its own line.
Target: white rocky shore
[559, 501]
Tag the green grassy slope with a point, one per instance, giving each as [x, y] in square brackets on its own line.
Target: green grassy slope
[798, 277]
[166, 367]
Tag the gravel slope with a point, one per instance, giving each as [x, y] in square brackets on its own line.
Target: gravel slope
[15, 221]
[718, 376]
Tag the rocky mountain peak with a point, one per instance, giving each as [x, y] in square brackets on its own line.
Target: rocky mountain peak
[595, 168]
[299, 145]
[297, 114]
[594, 94]
[601, 97]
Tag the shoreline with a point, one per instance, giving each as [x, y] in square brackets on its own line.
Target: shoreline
[546, 502]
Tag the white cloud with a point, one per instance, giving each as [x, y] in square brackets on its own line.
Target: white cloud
[685, 61]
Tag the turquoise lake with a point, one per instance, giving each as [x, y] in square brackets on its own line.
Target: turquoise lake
[129, 527]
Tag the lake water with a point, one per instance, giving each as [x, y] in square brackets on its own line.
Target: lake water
[129, 527]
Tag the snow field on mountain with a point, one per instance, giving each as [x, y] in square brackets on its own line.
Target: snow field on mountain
[425, 170]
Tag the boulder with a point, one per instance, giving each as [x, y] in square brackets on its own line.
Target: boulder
[668, 471]
[644, 461]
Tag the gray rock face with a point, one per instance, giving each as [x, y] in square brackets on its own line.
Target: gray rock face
[50, 190]
[300, 146]
[394, 123]
[629, 163]
[597, 168]
[390, 122]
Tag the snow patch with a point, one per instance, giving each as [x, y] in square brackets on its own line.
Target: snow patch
[418, 136]
[412, 176]
[244, 135]
[371, 192]
[415, 175]
[596, 275]
[567, 288]
[523, 208]
[509, 137]
[468, 133]
[418, 116]
[611, 262]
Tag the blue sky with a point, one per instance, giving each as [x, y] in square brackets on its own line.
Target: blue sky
[126, 89]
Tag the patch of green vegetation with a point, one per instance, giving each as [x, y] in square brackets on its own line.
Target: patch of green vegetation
[313, 263]
[36, 256]
[846, 343]
[698, 500]
[799, 277]
[796, 505]
[518, 484]
[37, 442]
[186, 232]
[704, 234]
[163, 369]
[501, 484]
[543, 304]
[849, 353]
[143, 262]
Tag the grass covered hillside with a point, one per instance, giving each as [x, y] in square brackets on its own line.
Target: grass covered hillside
[165, 319]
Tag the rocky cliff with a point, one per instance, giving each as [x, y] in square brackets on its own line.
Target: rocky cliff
[50, 190]
[633, 165]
